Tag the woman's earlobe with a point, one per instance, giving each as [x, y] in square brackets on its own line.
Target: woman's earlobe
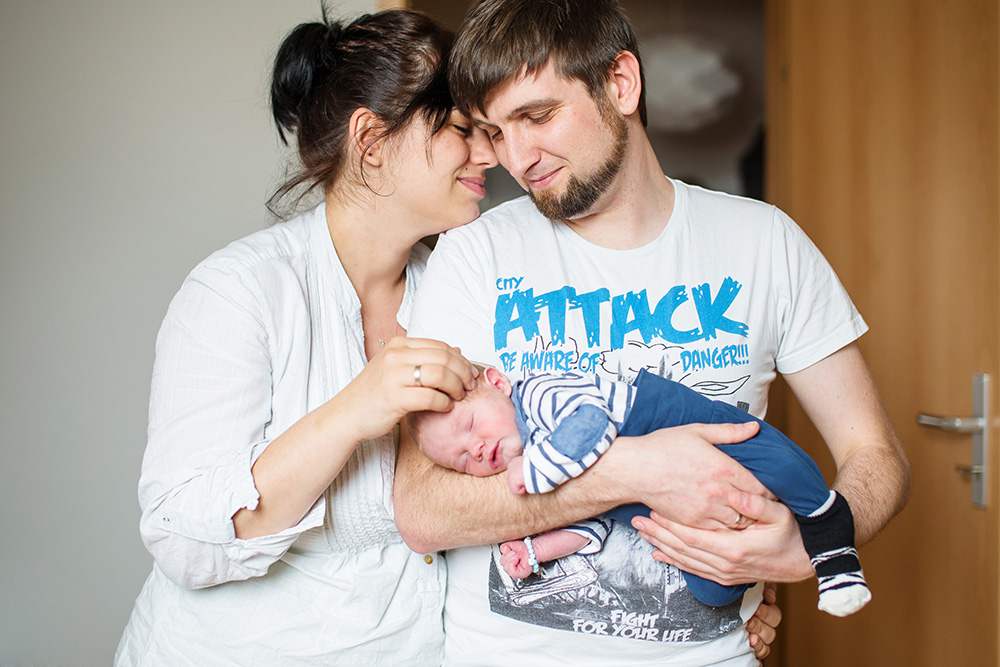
[373, 154]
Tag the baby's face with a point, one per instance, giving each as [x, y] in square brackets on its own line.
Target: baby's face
[478, 437]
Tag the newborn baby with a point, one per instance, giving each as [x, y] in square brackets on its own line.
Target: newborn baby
[549, 428]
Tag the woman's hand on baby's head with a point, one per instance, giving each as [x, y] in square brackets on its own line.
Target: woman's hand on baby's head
[407, 375]
[515, 475]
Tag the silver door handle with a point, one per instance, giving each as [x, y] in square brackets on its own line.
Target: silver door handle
[953, 424]
[974, 426]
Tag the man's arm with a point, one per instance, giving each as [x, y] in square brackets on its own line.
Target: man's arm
[439, 509]
[839, 396]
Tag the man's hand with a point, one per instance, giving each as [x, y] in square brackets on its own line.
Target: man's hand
[840, 398]
[680, 474]
[768, 549]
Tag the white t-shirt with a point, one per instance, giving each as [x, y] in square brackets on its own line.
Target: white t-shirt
[729, 294]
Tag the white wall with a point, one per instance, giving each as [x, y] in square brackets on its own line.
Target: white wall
[134, 140]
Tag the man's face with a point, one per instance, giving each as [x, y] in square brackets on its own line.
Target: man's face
[561, 145]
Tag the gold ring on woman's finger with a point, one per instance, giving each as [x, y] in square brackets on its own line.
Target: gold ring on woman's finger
[416, 381]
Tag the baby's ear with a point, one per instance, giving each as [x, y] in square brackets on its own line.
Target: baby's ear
[498, 380]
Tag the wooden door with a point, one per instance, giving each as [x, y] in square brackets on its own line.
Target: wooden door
[883, 144]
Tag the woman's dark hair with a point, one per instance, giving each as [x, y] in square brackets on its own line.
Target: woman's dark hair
[500, 38]
[392, 63]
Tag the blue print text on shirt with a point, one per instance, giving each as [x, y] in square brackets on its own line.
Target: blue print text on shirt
[522, 310]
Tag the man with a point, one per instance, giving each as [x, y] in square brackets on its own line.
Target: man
[610, 267]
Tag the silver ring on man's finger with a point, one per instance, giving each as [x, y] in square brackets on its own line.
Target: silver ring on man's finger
[416, 381]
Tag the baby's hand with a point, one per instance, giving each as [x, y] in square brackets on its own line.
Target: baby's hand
[515, 475]
[514, 559]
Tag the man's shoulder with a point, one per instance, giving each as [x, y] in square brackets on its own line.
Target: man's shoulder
[516, 216]
[726, 207]
[519, 210]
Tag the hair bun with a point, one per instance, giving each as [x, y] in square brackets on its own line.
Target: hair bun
[390, 62]
[304, 58]
[333, 33]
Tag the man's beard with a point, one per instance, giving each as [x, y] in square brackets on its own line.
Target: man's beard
[581, 195]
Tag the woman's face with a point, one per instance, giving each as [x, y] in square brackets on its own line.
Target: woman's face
[440, 178]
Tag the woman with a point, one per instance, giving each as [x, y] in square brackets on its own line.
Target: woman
[282, 367]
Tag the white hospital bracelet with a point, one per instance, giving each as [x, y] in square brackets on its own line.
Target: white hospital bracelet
[532, 561]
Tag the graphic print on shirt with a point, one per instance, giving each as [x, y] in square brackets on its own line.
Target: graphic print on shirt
[665, 361]
[689, 336]
[608, 321]
[618, 592]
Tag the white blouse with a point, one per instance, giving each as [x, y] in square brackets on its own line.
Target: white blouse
[262, 332]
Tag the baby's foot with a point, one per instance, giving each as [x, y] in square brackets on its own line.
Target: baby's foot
[843, 594]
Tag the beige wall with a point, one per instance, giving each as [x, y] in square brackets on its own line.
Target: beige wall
[134, 140]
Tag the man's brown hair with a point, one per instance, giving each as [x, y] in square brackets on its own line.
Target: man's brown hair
[501, 38]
